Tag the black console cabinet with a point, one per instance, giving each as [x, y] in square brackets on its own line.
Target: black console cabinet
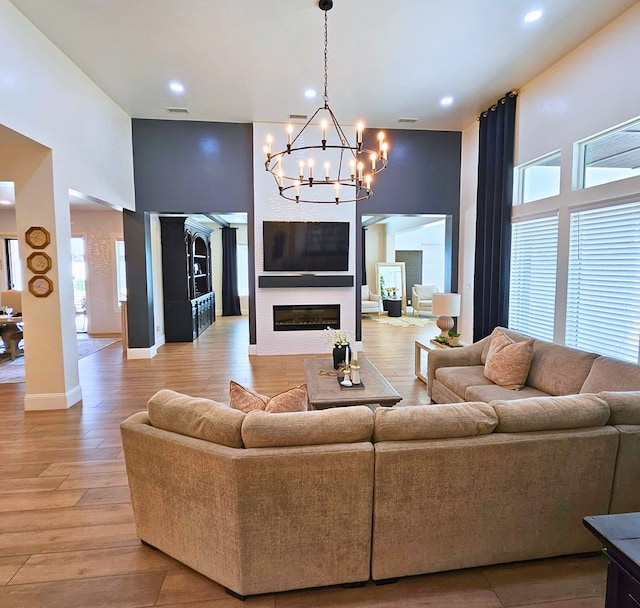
[620, 537]
[189, 301]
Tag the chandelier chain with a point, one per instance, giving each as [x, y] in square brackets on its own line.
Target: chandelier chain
[326, 97]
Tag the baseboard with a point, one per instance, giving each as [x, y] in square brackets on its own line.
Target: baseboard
[142, 353]
[53, 401]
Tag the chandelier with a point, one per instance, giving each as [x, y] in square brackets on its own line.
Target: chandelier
[346, 171]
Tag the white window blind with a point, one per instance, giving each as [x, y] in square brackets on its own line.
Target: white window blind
[603, 297]
[532, 289]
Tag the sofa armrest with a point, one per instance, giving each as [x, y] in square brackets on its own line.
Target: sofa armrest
[455, 357]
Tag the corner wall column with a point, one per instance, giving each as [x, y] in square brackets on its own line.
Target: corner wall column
[137, 236]
[51, 351]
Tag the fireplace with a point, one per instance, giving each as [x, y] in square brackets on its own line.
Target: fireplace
[306, 317]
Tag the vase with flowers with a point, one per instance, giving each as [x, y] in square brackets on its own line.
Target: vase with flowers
[339, 339]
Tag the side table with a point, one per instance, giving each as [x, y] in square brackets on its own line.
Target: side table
[421, 347]
[394, 307]
[620, 537]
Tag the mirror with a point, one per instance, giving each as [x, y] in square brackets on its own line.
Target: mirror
[391, 282]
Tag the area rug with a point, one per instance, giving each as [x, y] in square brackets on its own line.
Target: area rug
[406, 321]
[13, 371]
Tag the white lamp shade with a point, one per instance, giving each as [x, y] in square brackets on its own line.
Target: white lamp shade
[446, 304]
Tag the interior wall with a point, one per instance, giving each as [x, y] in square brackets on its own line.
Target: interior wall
[375, 252]
[468, 201]
[100, 230]
[156, 278]
[90, 134]
[586, 92]
[268, 205]
[180, 167]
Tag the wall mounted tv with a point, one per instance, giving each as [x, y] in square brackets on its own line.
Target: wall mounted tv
[305, 246]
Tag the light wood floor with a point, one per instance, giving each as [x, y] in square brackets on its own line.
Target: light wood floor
[67, 538]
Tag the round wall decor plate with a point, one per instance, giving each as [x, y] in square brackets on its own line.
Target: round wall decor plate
[39, 262]
[37, 237]
[40, 286]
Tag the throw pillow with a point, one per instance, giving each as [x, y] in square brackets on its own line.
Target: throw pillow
[508, 362]
[245, 399]
[291, 400]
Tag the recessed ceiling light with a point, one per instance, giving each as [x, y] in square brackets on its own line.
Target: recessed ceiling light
[310, 93]
[176, 87]
[5, 202]
[532, 16]
[446, 101]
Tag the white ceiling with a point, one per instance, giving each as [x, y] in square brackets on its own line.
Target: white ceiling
[248, 60]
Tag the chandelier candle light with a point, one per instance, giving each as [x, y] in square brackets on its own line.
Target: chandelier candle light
[348, 170]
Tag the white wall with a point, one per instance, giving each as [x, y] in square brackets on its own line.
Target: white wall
[466, 257]
[156, 278]
[590, 90]
[48, 99]
[100, 230]
[269, 205]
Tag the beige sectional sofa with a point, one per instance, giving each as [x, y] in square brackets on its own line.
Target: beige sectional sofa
[269, 502]
[457, 375]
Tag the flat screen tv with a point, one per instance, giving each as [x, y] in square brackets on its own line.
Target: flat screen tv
[305, 246]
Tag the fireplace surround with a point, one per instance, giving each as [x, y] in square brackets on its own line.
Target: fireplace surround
[306, 317]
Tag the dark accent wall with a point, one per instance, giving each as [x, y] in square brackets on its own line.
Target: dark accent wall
[194, 167]
[422, 177]
[140, 321]
[183, 167]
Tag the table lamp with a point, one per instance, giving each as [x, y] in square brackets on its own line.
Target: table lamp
[446, 305]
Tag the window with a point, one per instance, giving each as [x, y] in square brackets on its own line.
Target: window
[14, 268]
[610, 157]
[538, 179]
[603, 293]
[242, 260]
[532, 291]
[121, 271]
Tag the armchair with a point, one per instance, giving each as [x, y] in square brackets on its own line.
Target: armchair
[421, 298]
[371, 302]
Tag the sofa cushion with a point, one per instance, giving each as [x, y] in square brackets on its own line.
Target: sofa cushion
[196, 417]
[246, 400]
[551, 413]
[559, 370]
[611, 375]
[493, 392]
[458, 379]
[508, 361]
[624, 406]
[433, 421]
[335, 425]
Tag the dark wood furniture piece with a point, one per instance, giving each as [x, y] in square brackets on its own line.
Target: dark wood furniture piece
[393, 307]
[620, 537]
[323, 390]
[189, 299]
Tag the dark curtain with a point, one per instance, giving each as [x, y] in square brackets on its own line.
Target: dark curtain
[364, 258]
[493, 224]
[230, 297]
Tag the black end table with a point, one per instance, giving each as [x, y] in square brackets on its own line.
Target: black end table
[394, 307]
[620, 537]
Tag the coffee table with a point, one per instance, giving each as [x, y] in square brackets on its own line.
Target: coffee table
[323, 391]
